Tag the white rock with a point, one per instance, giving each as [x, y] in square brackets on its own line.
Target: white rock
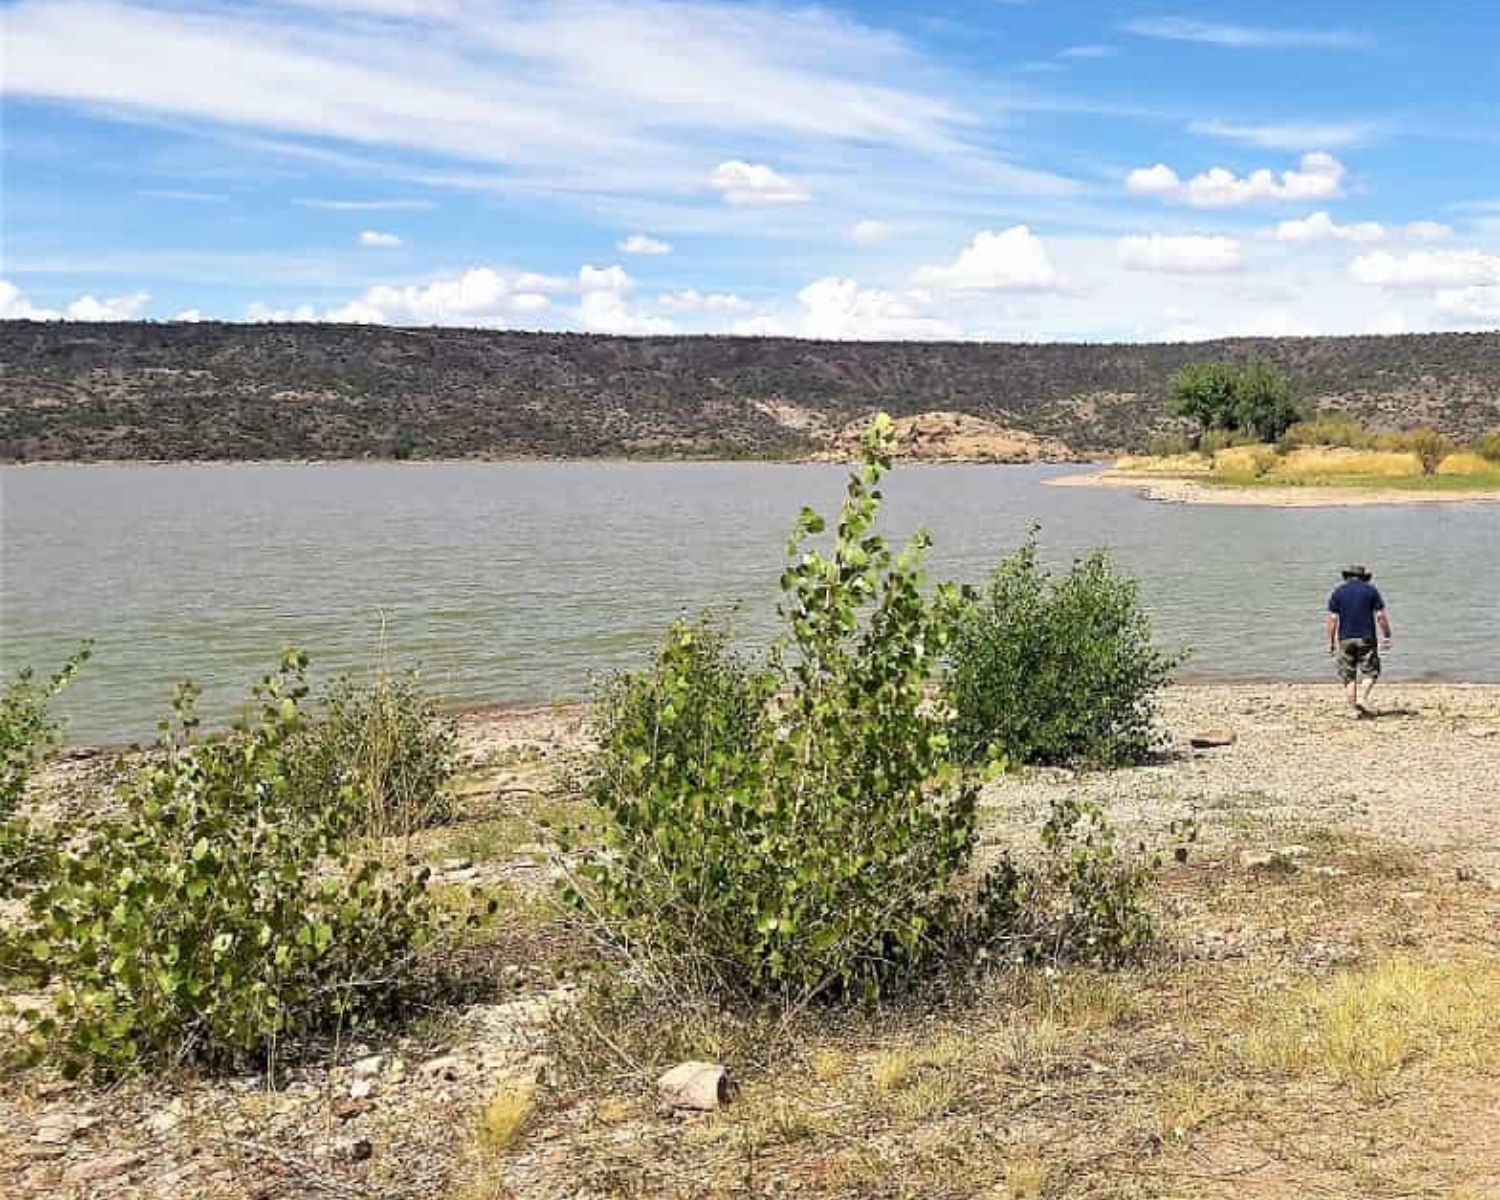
[696, 1085]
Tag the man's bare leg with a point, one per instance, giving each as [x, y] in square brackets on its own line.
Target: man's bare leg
[1351, 696]
[1369, 686]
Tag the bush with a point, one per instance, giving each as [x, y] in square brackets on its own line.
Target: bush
[383, 747]
[29, 733]
[225, 913]
[1255, 400]
[1330, 429]
[1051, 670]
[1430, 446]
[28, 730]
[1488, 445]
[792, 829]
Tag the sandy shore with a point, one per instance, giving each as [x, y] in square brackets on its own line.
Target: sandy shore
[1171, 490]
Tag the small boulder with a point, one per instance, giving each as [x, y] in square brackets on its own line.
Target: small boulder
[696, 1085]
[1213, 739]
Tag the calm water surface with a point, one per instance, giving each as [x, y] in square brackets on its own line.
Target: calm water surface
[524, 581]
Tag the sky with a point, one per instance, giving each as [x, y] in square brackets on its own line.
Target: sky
[1015, 170]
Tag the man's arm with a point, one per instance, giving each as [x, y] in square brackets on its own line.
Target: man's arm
[1333, 632]
[1382, 618]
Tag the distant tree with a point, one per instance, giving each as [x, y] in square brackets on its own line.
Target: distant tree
[1220, 395]
[1205, 393]
[1264, 404]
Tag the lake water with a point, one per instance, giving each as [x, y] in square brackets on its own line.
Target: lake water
[522, 581]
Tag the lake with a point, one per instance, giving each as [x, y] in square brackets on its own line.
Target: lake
[524, 581]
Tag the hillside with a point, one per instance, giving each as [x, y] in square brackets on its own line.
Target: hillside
[73, 391]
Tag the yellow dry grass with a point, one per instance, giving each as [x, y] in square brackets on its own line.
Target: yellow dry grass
[1246, 460]
[1321, 462]
[1168, 464]
[506, 1115]
[1364, 1027]
[1466, 462]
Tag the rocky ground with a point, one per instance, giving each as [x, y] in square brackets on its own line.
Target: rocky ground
[1322, 1019]
[1170, 490]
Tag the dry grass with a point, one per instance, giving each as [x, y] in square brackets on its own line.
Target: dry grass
[1169, 464]
[1319, 462]
[1246, 460]
[1466, 462]
[1365, 1027]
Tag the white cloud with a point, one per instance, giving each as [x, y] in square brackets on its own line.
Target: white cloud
[1319, 176]
[640, 243]
[581, 88]
[1089, 51]
[1012, 260]
[604, 311]
[692, 300]
[870, 233]
[188, 316]
[1426, 269]
[1428, 231]
[1291, 135]
[1478, 305]
[15, 306]
[377, 237]
[1320, 227]
[365, 205]
[604, 279]
[1188, 255]
[841, 309]
[481, 296]
[1253, 37]
[755, 183]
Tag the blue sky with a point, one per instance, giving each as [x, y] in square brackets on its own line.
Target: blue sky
[1043, 170]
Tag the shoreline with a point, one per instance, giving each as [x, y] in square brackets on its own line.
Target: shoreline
[1177, 490]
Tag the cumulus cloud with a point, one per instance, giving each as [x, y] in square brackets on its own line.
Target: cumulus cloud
[1428, 231]
[1319, 176]
[840, 309]
[15, 306]
[1427, 269]
[1012, 260]
[1477, 305]
[258, 313]
[640, 243]
[870, 233]
[1187, 255]
[188, 316]
[692, 300]
[481, 296]
[1320, 227]
[604, 279]
[755, 183]
[377, 237]
[609, 312]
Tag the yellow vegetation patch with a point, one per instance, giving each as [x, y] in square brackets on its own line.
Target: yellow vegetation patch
[1365, 1027]
[1324, 462]
[1246, 460]
[1169, 464]
[506, 1116]
[1465, 462]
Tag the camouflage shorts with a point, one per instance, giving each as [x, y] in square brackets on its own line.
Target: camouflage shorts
[1356, 654]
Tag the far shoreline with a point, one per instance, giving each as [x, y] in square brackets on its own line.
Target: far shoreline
[1177, 490]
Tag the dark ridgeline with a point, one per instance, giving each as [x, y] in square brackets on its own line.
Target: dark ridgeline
[139, 390]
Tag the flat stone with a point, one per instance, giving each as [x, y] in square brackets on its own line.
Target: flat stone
[100, 1168]
[1213, 739]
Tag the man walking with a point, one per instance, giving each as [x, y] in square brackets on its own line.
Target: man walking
[1354, 610]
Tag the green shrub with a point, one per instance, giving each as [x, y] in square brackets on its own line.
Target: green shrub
[224, 913]
[794, 829]
[28, 730]
[1048, 670]
[1255, 399]
[382, 746]
[29, 733]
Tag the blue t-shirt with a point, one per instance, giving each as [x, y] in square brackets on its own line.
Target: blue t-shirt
[1355, 603]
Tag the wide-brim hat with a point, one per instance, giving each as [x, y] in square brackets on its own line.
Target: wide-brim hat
[1356, 572]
